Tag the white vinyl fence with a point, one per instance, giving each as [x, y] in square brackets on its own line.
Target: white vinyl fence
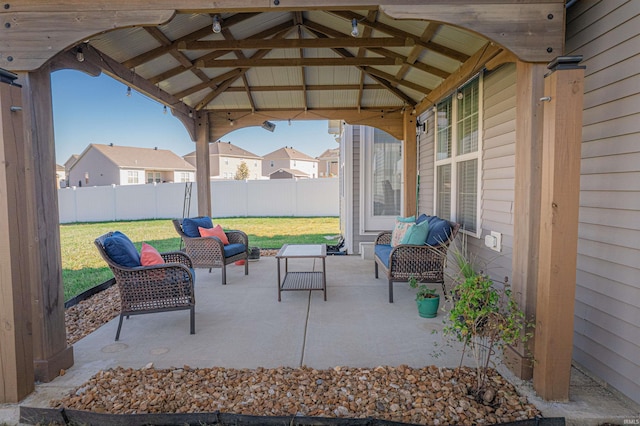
[281, 197]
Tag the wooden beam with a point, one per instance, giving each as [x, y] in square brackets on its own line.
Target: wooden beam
[533, 31]
[294, 62]
[226, 33]
[42, 235]
[371, 16]
[400, 59]
[526, 227]
[465, 72]
[409, 163]
[313, 87]
[388, 119]
[394, 32]
[428, 32]
[294, 43]
[203, 164]
[114, 69]
[556, 287]
[173, 46]
[16, 343]
[392, 79]
[213, 55]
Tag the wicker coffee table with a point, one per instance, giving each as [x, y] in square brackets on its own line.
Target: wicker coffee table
[308, 280]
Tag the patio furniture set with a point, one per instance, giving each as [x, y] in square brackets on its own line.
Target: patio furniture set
[151, 282]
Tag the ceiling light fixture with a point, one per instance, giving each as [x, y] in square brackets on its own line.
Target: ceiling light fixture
[128, 91]
[267, 125]
[217, 25]
[354, 28]
[164, 110]
[79, 54]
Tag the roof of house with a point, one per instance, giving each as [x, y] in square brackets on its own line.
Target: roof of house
[329, 153]
[141, 158]
[288, 153]
[71, 161]
[59, 168]
[227, 149]
[292, 172]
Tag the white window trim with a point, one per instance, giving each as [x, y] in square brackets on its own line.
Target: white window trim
[460, 158]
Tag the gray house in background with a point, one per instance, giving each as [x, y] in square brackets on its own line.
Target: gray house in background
[288, 174]
[102, 165]
[225, 158]
[329, 163]
[606, 339]
[289, 158]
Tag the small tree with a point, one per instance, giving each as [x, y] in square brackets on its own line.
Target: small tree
[484, 317]
[242, 172]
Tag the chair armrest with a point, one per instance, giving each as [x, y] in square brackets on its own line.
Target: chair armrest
[423, 262]
[177, 257]
[237, 237]
[383, 238]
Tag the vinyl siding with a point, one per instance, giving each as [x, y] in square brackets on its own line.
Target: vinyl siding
[426, 164]
[498, 172]
[607, 333]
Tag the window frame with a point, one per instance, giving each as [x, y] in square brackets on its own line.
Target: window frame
[456, 159]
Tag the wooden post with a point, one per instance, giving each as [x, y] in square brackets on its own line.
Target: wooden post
[529, 125]
[203, 165]
[50, 350]
[16, 340]
[562, 137]
[410, 163]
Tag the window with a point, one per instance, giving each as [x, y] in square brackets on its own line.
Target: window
[132, 177]
[458, 148]
[271, 163]
[183, 177]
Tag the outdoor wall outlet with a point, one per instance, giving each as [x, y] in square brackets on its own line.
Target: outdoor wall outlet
[493, 241]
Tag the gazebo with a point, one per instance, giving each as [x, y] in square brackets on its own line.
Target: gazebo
[219, 66]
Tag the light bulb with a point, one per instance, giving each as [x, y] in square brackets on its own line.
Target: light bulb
[231, 122]
[354, 28]
[128, 91]
[217, 27]
[164, 110]
[79, 55]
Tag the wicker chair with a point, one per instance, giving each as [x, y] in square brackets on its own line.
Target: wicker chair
[208, 252]
[158, 288]
[425, 263]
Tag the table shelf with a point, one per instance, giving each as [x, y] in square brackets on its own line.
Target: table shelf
[302, 281]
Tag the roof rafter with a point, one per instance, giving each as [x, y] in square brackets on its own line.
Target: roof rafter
[428, 32]
[226, 33]
[372, 16]
[388, 29]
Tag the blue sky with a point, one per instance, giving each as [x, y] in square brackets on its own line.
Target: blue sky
[96, 110]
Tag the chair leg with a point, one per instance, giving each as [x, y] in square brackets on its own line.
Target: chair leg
[224, 274]
[193, 320]
[444, 290]
[390, 291]
[119, 327]
[246, 266]
[376, 268]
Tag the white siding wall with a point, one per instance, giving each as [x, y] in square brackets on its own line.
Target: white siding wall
[101, 170]
[426, 151]
[607, 331]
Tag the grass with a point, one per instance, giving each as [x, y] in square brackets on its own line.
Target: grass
[83, 268]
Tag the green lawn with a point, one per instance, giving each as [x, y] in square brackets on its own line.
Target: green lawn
[83, 268]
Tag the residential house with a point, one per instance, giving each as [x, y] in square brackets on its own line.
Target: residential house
[289, 158]
[288, 174]
[225, 158]
[467, 174]
[102, 165]
[61, 176]
[329, 163]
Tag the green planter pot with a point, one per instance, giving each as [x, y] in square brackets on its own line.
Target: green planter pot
[428, 308]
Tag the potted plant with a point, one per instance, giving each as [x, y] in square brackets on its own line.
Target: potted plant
[427, 299]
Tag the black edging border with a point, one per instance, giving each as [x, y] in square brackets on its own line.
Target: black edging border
[62, 416]
[88, 293]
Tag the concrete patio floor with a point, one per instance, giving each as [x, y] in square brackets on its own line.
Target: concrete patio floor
[242, 325]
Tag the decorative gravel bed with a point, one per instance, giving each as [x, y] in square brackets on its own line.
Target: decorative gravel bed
[428, 395]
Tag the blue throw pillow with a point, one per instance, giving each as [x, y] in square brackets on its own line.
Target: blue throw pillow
[416, 234]
[121, 250]
[190, 225]
[439, 231]
[422, 218]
